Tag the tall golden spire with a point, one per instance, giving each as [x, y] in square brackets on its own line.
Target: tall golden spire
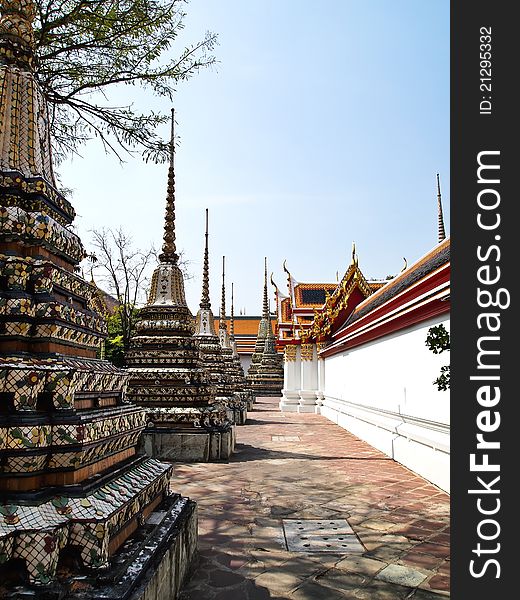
[440, 217]
[205, 301]
[168, 254]
[222, 317]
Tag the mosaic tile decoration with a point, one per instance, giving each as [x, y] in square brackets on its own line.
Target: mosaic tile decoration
[37, 532]
[26, 378]
[16, 223]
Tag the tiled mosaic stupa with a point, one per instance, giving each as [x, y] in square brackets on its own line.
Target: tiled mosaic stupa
[209, 343]
[72, 487]
[268, 379]
[256, 383]
[167, 375]
[241, 386]
[236, 403]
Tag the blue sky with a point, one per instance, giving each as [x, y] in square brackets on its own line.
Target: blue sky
[322, 124]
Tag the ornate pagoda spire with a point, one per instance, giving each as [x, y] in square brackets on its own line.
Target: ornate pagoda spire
[440, 217]
[265, 308]
[169, 254]
[25, 143]
[222, 320]
[16, 32]
[232, 318]
[205, 301]
[167, 287]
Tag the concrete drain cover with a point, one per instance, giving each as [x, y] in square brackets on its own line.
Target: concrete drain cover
[285, 438]
[313, 535]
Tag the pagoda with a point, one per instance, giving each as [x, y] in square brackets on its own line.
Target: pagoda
[208, 339]
[268, 379]
[73, 488]
[242, 387]
[256, 358]
[167, 375]
[236, 403]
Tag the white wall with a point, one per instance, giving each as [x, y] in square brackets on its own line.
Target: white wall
[383, 392]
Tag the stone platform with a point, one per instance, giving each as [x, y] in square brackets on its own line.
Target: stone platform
[289, 467]
[189, 445]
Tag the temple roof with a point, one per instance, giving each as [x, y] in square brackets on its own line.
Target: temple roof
[436, 257]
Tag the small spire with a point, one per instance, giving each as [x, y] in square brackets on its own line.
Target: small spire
[265, 309]
[222, 320]
[168, 254]
[232, 319]
[440, 217]
[205, 301]
[354, 255]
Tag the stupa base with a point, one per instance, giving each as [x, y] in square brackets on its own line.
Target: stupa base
[190, 444]
[267, 393]
[151, 565]
[237, 412]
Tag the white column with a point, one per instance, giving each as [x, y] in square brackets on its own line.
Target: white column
[291, 379]
[321, 380]
[309, 379]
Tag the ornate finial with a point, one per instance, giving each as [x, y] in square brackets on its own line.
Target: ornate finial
[168, 254]
[16, 31]
[285, 267]
[265, 307]
[222, 319]
[205, 301]
[442, 232]
[273, 283]
[232, 318]
[354, 255]
[405, 265]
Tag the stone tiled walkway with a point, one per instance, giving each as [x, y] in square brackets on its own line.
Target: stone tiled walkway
[292, 466]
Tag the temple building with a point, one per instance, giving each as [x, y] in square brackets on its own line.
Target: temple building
[296, 312]
[265, 377]
[73, 488]
[363, 362]
[167, 375]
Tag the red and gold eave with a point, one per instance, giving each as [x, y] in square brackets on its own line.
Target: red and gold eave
[315, 323]
[419, 293]
[359, 311]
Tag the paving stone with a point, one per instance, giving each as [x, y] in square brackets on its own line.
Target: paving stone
[420, 594]
[279, 580]
[402, 575]
[378, 590]
[438, 583]
[361, 564]
[342, 581]
[219, 578]
[314, 591]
